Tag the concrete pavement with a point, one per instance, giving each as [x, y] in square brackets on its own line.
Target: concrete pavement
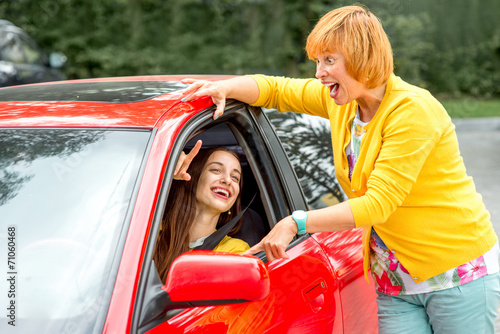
[479, 141]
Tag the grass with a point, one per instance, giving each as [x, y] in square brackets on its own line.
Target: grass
[468, 107]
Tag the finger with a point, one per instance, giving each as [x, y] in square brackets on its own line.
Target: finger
[274, 250]
[190, 92]
[280, 252]
[269, 252]
[192, 83]
[185, 176]
[189, 80]
[221, 105]
[182, 157]
[254, 250]
[194, 151]
[186, 162]
[182, 176]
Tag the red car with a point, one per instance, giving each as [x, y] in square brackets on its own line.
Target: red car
[85, 170]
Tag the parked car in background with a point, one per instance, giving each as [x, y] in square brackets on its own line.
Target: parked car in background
[22, 61]
[85, 172]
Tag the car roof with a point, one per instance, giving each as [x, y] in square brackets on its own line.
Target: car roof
[137, 102]
[6, 22]
[6, 25]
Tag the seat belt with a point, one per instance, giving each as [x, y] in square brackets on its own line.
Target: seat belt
[215, 238]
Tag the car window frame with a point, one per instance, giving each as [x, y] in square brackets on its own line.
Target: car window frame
[261, 142]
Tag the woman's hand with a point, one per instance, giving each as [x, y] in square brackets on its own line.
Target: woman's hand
[240, 88]
[277, 240]
[184, 161]
[199, 88]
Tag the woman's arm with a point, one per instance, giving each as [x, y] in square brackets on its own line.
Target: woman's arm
[333, 218]
[244, 89]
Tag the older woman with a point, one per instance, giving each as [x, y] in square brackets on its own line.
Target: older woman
[427, 235]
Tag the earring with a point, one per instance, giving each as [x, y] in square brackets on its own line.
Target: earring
[229, 212]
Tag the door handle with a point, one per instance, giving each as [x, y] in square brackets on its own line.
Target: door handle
[316, 297]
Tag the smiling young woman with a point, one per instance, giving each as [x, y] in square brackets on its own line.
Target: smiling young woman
[195, 207]
[218, 185]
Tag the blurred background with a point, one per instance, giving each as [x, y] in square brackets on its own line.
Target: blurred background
[450, 47]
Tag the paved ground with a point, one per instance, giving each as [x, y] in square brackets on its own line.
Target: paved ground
[479, 141]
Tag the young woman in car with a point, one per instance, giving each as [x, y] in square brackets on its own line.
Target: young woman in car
[205, 193]
[427, 236]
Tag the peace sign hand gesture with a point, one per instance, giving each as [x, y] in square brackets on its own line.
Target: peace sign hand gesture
[184, 161]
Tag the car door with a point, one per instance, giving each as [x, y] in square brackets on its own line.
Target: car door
[304, 291]
[307, 141]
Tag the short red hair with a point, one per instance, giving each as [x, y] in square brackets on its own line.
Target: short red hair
[358, 35]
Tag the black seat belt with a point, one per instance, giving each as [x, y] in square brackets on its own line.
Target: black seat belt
[215, 238]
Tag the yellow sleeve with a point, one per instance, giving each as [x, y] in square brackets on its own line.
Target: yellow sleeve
[307, 96]
[231, 245]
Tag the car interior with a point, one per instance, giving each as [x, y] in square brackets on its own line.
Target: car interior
[265, 171]
[255, 225]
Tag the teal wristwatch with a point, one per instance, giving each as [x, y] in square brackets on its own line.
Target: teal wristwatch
[300, 217]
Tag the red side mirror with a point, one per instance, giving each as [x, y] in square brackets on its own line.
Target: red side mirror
[219, 278]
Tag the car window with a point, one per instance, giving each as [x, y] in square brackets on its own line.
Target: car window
[270, 175]
[255, 225]
[33, 55]
[307, 142]
[11, 48]
[261, 191]
[64, 203]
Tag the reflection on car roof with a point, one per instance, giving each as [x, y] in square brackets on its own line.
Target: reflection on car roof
[110, 92]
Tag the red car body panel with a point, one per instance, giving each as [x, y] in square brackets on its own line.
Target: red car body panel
[143, 114]
[324, 274]
[123, 298]
[309, 286]
[344, 253]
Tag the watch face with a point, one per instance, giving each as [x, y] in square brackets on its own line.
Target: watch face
[299, 214]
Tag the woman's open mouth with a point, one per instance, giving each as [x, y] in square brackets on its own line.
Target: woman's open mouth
[221, 192]
[334, 89]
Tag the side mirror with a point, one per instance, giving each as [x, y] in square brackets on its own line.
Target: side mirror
[211, 278]
[204, 278]
[57, 59]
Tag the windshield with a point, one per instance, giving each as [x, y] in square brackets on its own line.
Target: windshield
[65, 196]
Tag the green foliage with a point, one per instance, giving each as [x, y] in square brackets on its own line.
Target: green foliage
[410, 46]
[449, 47]
[471, 107]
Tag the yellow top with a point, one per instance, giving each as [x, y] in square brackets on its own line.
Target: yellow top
[409, 181]
[231, 245]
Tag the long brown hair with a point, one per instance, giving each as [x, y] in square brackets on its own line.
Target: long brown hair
[180, 212]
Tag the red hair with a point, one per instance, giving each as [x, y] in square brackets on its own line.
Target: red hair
[358, 35]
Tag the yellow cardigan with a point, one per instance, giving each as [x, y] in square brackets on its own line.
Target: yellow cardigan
[231, 245]
[409, 181]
